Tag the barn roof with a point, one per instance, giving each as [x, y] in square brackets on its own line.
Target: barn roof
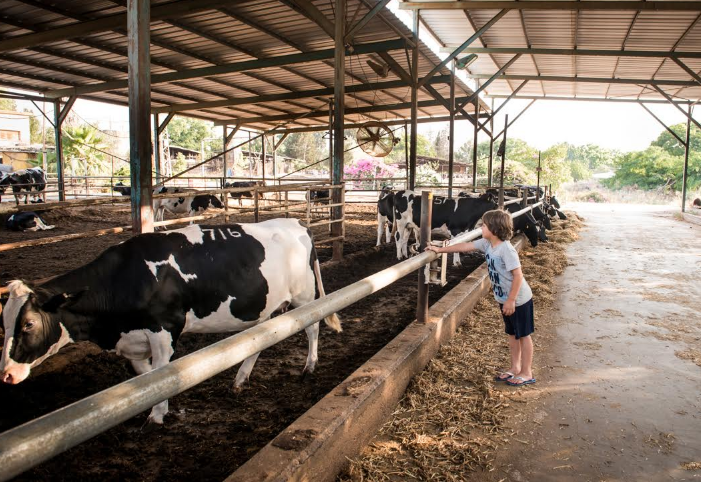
[614, 50]
[261, 63]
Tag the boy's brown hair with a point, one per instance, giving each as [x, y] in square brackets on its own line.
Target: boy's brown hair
[499, 223]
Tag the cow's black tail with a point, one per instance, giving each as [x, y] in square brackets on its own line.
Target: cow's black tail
[332, 321]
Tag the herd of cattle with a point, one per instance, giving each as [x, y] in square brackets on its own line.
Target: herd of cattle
[204, 279]
[400, 211]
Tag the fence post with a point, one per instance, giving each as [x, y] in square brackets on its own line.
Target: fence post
[287, 204]
[426, 211]
[524, 203]
[255, 204]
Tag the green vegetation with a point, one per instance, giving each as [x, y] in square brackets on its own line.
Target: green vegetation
[84, 151]
[661, 165]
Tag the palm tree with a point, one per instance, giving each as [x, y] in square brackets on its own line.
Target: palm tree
[84, 148]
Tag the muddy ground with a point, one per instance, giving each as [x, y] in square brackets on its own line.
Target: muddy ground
[210, 430]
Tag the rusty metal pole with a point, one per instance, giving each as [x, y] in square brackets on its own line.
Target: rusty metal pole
[687, 148]
[524, 201]
[502, 152]
[138, 30]
[451, 131]
[474, 145]
[59, 151]
[490, 167]
[537, 190]
[426, 211]
[338, 120]
[414, 102]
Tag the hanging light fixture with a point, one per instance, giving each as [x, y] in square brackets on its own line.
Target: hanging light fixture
[382, 70]
[465, 61]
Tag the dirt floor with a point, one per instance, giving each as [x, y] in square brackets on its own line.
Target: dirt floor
[210, 430]
[617, 359]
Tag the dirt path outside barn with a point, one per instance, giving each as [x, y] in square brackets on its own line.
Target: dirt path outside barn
[619, 389]
[618, 363]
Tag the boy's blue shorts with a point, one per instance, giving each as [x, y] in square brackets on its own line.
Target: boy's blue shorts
[520, 323]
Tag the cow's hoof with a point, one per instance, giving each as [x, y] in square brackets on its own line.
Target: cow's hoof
[238, 389]
[307, 374]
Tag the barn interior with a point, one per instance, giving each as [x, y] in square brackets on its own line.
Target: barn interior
[277, 67]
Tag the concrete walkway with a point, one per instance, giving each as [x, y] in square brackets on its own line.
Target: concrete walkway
[616, 399]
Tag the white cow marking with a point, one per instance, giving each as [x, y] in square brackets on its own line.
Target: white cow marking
[193, 234]
[153, 266]
[220, 321]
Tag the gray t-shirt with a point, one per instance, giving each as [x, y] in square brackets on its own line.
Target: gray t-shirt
[500, 262]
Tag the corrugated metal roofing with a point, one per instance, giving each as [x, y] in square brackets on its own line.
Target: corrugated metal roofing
[234, 31]
[665, 31]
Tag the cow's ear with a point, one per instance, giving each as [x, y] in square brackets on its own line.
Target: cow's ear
[62, 300]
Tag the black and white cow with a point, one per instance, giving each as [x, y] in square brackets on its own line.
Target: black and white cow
[122, 189]
[450, 216]
[525, 223]
[243, 194]
[542, 218]
[319, 196]
[27, 221]
[199, 279]
[32, 181]
[385, 215]
[190, 204]
[553, 210]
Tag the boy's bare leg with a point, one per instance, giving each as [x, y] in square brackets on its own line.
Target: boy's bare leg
[526, 362]
[515, 350]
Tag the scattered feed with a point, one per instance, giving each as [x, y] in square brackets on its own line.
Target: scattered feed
[451, 419]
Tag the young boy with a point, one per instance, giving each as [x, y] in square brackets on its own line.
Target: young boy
[510, 290]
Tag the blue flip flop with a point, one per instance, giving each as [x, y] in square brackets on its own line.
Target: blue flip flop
[499, 377]
[523, 382]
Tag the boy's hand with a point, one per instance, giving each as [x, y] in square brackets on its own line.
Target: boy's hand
[435, 249]
[509, 307]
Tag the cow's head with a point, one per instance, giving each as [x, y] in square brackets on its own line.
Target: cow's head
[540, 216]
[554, 202]
[541, 234]
[32, 332]
[531, 229]
[215, 202]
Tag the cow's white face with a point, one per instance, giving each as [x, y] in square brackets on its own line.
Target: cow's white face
[30, 334]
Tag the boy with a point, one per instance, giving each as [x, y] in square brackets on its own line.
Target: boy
[510, 290]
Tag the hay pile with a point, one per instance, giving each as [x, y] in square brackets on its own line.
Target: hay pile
[451, 419]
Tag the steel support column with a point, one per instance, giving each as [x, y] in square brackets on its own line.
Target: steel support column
[338, 120]
[156, 148]
[474, 146]
[502, 153]
[59, 150]
[414, 101]
[490, 167]
[451, 133]
[687, 148]
[262, 154]
[422, 299]
[138, 29]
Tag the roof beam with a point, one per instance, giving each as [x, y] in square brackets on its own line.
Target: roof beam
[442, 79]
[491, 79]
[671, 100]
[466, 43]
[247, 65]
[681, 141]
[324, 112]
[686, 69]
[683, 6]
[590, 99]
[580, 52]
[309, 10]
[364, 21]
[596, 80]
[168, 10]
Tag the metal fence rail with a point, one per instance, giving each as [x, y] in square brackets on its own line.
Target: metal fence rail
[39, 440]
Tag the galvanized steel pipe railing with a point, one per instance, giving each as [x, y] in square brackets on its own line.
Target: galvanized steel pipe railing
[28, 445]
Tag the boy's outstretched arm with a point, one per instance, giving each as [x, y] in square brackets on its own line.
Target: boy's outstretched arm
[455, 248]
[510, 304]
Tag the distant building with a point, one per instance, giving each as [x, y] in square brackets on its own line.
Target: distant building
[14, 128]
[16, 152]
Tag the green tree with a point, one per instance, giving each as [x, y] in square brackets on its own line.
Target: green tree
[424, 147]
[189, 133]
[83, 148]
[670, 143]
[8, 104]
[35, 134]
[556, 170]
[440, 145]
